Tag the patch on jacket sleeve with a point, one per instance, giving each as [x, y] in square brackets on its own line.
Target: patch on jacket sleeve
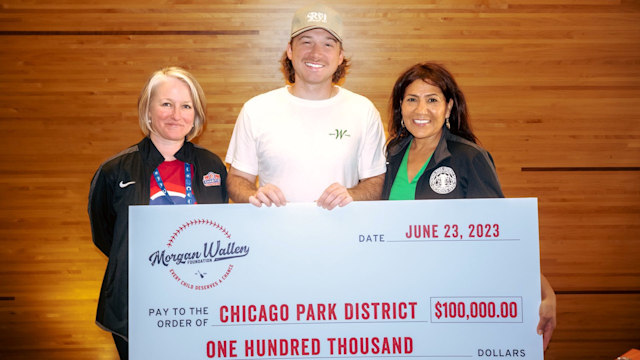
[211, 179]
[443, 180]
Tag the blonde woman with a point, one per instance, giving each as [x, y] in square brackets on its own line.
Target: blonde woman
[165, 168]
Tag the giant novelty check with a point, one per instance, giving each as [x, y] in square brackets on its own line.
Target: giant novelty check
[438, 279]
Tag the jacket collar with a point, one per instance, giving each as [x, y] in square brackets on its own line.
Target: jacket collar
[442, 151]
[400, 146]
[153, 157]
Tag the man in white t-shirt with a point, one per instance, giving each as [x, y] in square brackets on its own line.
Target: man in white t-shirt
[312, 140]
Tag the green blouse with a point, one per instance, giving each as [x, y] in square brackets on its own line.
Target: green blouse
[402, 189]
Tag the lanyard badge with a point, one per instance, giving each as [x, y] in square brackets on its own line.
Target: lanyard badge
[189, 197]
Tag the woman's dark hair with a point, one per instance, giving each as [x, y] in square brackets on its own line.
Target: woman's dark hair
[435, 75]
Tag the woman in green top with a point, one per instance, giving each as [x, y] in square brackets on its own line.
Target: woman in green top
[432, 153]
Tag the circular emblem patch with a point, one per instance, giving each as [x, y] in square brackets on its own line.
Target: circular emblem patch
[443, 180]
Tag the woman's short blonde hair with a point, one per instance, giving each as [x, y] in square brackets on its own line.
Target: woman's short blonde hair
[197, 96]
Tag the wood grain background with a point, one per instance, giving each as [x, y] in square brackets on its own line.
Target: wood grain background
[553, 89]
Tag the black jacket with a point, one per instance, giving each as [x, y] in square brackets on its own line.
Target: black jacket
[475, 173]
[109, 198]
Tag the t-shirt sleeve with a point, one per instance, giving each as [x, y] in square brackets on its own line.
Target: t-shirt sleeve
[242, 152]
[372, 160]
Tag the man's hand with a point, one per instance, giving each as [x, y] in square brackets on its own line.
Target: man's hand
[339, 195]
[242, 189]
[268, 195]
[334, 195]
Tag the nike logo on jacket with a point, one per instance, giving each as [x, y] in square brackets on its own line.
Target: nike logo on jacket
[124, 185]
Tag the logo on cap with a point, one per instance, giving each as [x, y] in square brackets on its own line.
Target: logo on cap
[315, 16]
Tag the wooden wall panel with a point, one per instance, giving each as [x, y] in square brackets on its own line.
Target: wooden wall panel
[587, 224]
[552, 88]
[593, 326]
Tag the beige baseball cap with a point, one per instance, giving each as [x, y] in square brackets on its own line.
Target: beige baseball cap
[317, 16]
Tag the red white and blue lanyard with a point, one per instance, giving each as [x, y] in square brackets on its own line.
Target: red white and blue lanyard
[190, 199]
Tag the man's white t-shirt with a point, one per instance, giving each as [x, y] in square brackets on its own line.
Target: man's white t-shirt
[303, 146]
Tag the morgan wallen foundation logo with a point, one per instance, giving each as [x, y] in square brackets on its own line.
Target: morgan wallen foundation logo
[200, 254]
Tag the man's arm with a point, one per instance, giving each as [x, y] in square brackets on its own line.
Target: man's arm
[368, 189]
[338, 195]
[242, 189]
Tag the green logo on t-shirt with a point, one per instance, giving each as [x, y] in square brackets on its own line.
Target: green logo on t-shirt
[339, 134]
